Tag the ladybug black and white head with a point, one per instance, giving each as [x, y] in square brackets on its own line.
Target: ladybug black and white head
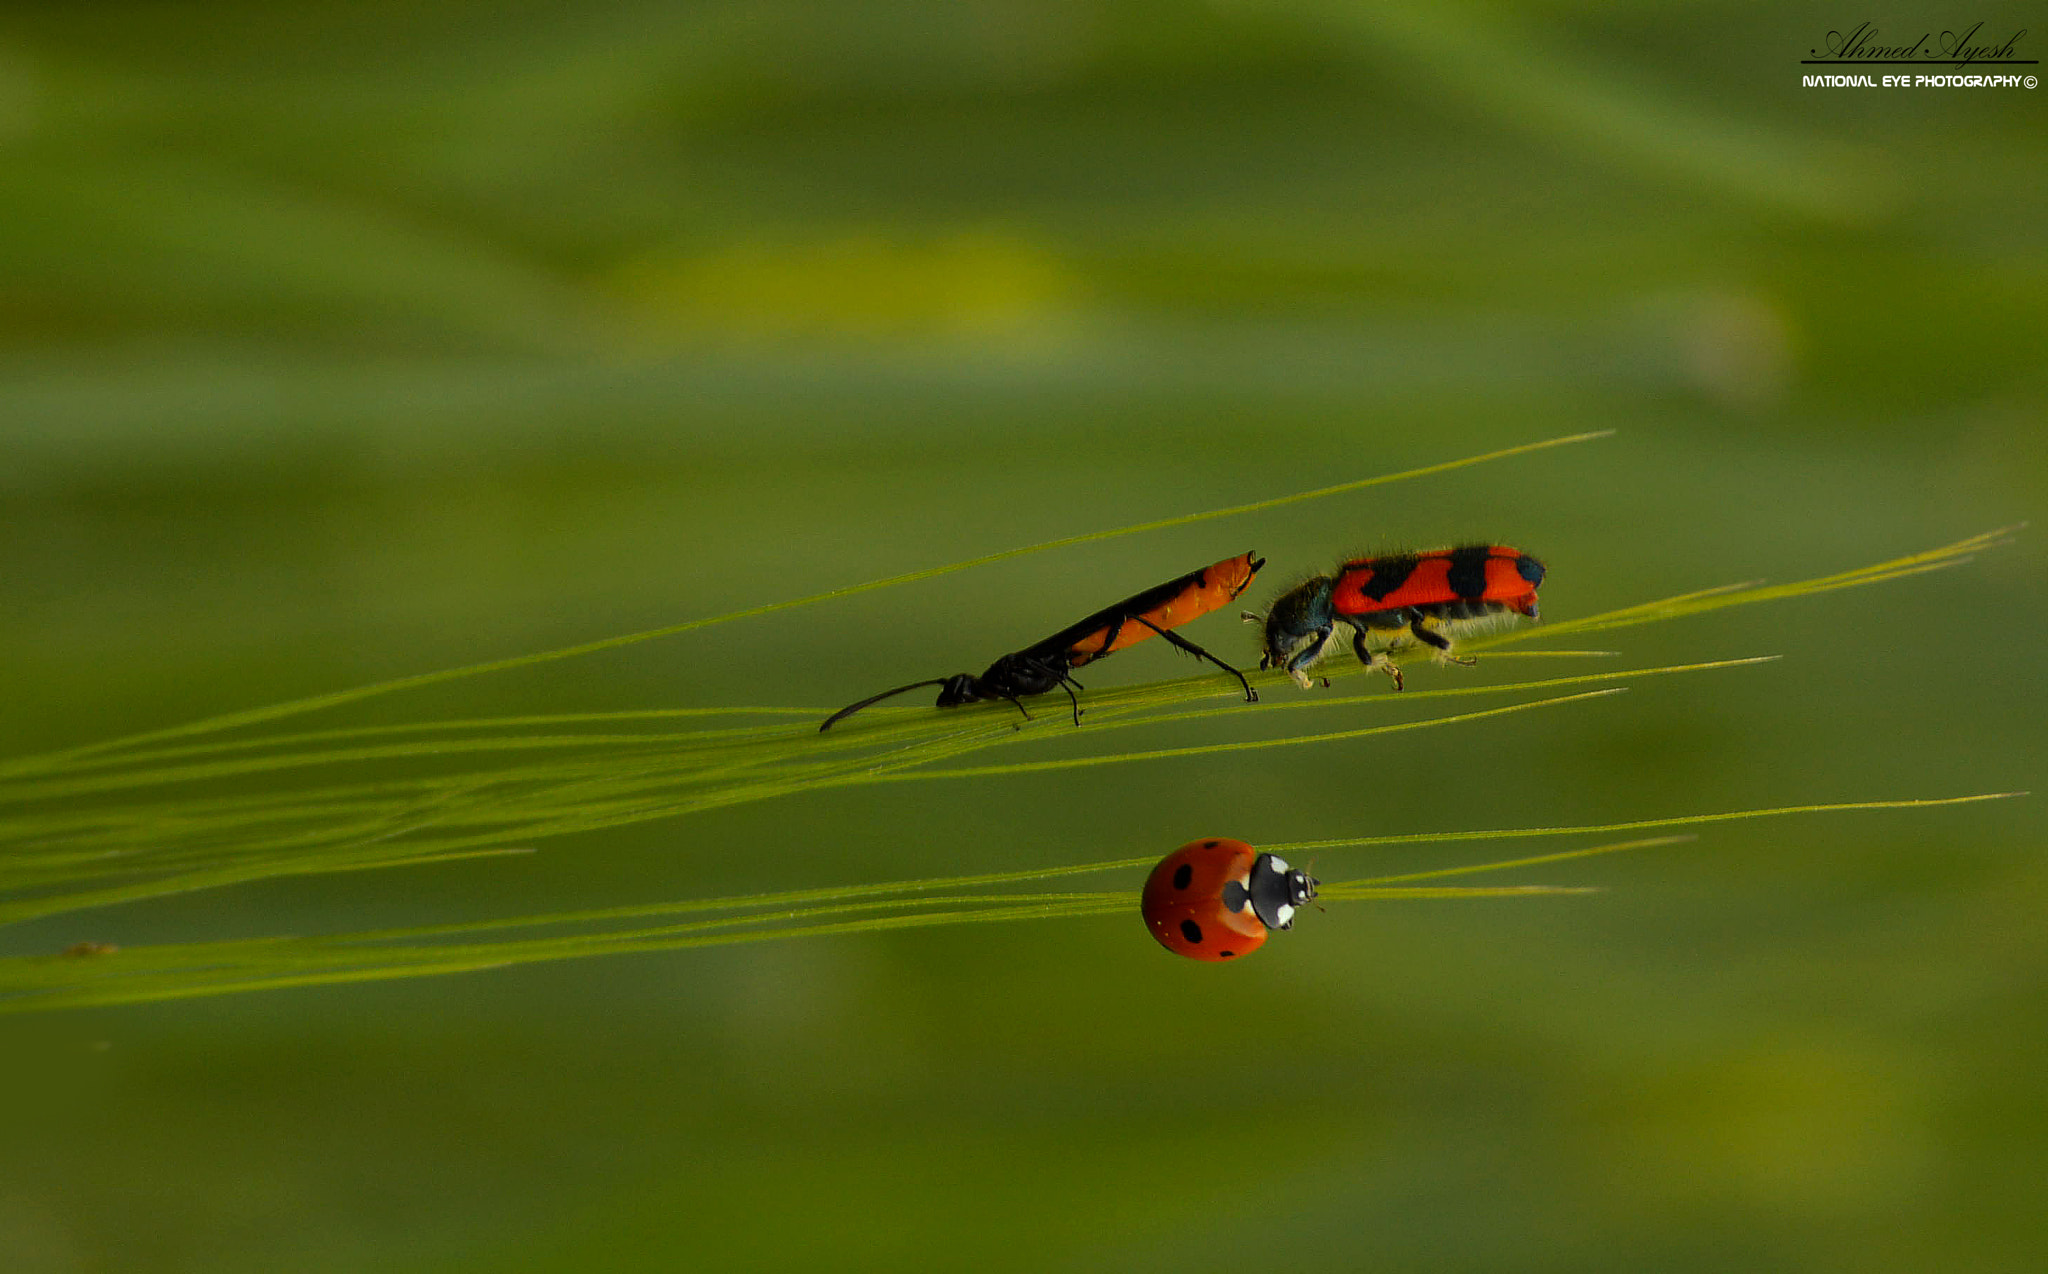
[1277, 889]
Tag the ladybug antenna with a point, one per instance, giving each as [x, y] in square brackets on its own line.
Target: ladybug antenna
[852, 708]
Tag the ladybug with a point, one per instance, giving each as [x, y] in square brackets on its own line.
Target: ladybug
[1217, 899]
[1428, 598]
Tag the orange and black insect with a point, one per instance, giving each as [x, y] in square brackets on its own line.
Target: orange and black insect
[1431, 597]
[1039, 668]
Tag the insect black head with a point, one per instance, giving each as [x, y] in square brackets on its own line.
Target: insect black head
[963, 687]
[1277, 889]
[1298, 620]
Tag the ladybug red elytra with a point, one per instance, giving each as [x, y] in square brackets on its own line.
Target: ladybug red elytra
[1429, 597]
[1217, 899]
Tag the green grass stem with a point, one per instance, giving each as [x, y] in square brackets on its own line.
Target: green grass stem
[76, 837]
[338, 698]
[96, 975]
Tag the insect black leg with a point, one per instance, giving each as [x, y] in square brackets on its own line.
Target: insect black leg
[1070, 696]
[1250, 695]
[1371, 660]
[1438, 640]
[1308, 655]
[1425, 636]
[1109, 636]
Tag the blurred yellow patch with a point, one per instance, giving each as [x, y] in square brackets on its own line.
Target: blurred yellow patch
[1805, 1126]
[862, 286]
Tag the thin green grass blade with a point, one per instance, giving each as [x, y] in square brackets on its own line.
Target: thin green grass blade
[1158, 754]
[1635, 825]
[1506, 863]
[1695, 603]
[287, 964]
[99, 853]
[96, 975]
[1393, 893]
[564, 787]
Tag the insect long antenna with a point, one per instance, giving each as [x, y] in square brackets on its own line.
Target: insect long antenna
[850, 709]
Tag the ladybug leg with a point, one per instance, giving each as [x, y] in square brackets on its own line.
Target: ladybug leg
[1437, 640]
[1373, 659]
[1250, 695]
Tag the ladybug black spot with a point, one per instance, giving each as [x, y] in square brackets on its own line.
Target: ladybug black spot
[1225, 955]
[1182, 875]
[1211, 844]
[1191, 931]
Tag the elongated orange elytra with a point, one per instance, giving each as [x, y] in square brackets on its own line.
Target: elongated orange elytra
[1039, 668]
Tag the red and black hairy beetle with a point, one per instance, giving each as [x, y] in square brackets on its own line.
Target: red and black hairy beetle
[1430, 597]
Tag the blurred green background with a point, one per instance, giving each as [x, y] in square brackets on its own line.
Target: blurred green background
[344, 341]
